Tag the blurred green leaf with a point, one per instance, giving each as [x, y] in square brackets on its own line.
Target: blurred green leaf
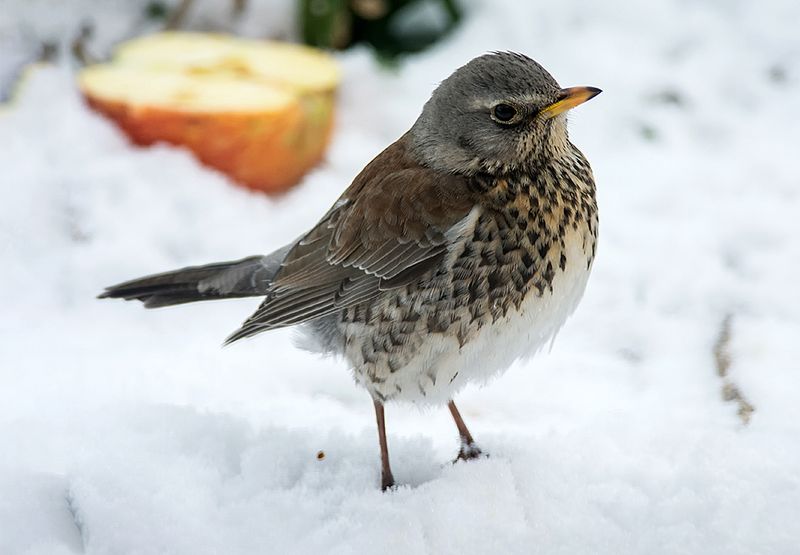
[155, 10]
[391, 27]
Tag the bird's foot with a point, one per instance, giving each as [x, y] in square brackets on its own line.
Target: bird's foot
[387, 483]
[469, 452]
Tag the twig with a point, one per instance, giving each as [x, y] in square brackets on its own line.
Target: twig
[48, 52]
[176, 18]
[722, 359]
[78, 46]
[239, 6]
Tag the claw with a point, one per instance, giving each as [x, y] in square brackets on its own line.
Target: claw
[469, 452]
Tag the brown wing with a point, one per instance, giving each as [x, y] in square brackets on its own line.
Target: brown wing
[389, 228]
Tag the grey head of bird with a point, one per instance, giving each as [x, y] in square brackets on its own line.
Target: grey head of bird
[499, 113]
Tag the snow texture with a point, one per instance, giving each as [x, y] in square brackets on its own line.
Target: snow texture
[131, 431]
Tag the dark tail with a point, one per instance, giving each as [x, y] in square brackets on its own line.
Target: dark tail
[249, 277]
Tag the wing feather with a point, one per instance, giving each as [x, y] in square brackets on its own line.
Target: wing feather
[391, 227]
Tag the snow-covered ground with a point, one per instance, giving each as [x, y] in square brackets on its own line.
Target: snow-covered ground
[131, 431]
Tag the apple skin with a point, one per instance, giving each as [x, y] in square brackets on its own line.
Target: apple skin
[265, 151]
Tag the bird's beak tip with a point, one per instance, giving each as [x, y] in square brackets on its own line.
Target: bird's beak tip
[594, 91]
[569, 98]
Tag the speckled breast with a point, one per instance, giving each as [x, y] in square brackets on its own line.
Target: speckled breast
[506, 286]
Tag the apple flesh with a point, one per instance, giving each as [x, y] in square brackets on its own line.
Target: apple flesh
[260, 112]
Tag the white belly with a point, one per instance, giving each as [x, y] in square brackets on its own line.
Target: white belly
[442, 367]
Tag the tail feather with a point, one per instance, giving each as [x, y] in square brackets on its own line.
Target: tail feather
[249, 277]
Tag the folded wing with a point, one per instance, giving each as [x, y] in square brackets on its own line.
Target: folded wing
[390, 227]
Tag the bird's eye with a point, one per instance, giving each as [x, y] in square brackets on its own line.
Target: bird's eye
[504, 113]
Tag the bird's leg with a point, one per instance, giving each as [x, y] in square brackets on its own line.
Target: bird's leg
[469, 450]
[387, 480]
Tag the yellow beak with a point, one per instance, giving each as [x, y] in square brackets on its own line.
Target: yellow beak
[569, 98]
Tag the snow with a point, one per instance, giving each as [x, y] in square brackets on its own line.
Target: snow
[132, 431]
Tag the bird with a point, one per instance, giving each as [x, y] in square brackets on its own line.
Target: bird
[459, 249]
